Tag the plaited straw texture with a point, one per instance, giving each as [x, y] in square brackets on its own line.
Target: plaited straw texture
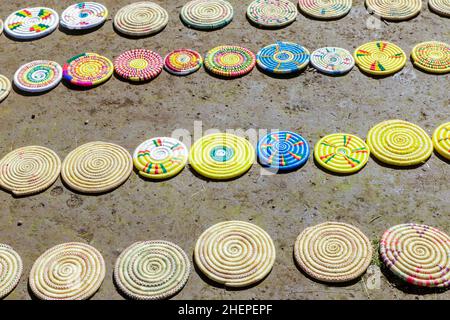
[380, 58]
[283, 58]
[207, 14]
[31, 23]
[10, 269]
[69, 271]
[325, 9]
[88, 69]
[84, 15]
[230, 61]
[332, 60]
[38, 76]
[235, 253]
[96, 167]
[441, 140]
[333, 252]
[418, 254]
[441, 7]
[183, 62]
[221, 156]
[138, 65]
[394, 10]
[399, 143]
[432, 56]
[29, 170]
[272, 13]
[152, 270]
[5, 87]
[141, 19]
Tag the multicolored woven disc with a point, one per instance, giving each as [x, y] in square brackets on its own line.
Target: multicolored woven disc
[160, 158]
[380, 58]
[31, 23]
[441, 7]
[432, 56]
[10, 269]
[272, 13]
[283, 58]
[38, 76]
[1, 26]
[182, 62]
[399, 143]
[418, 254]
[88, 69]
[325, 9]
[152, 270]
[207, 14]
[283, 150]
[333, 252]
[5, 87]
[341, 153]
[84, 15]
[138, 65]
[332, 60]
[235, 253]
[394, 10]
[441, 140]
[222, 156]
[230, 61]
[69, 271]
[141, 19]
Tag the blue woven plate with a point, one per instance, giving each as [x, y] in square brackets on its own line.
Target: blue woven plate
[283, 58]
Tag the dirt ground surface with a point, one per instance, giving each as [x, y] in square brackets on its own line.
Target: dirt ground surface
[180, 209]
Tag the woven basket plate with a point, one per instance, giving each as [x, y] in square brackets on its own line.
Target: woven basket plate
[88, 69]
[441, 140]
[10, 269]
[207, 14]
[332, 60]
[38, 76]
[84, 15]
[441, 7]
[230, 61]
[283, 58]
[380, 58]
[394, 10]
[183, 62]
[138, 65]
[325, 9]
[1, 26]
[432, 56]
[5, 87]
[272, 13]
[31, 23]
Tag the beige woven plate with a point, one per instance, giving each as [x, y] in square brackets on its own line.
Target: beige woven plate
[441, 7]
[394, 10]
[5, 87]
[10, 269]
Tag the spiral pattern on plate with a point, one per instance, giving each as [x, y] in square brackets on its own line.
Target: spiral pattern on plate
[441, 7]
[272, 13]
[31, 23]
[138, 65]
[394, 10]
[5, 87]
[38, 76]
[432, 56]
[325, 9]
[183, 61]
[230, 61]
[207, 14]
[84, 15]
[380, 58]
[283, 58]
[10, 269]
[441, 140]
[88, 69]
[332, 60]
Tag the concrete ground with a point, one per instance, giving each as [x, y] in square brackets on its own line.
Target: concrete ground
[180, 209]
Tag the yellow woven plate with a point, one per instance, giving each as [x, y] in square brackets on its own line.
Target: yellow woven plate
[432, 56]
[329, 9]
[11, 267]
[441, 140]
[5, 87]
[380, 58]
[394, 10]
[341, 153]
[222, 156]
[399, 143]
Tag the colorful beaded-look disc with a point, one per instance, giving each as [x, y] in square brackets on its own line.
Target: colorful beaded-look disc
[283, 58]
[235, 253]
[207, 14]
[138, 65]
[394, 10]
[441, 140]
[325, 9]
[10, 269]
[141, 19]
[418, 254]
[272, 13]
[380, 58]
[399, 143]
[221, 156]
[341, 153]
[432, 56]
[152, 270]
[29, 170]
[84, 15]
[230, 61]
[88, 69]
[441, 7]
[31, 23]
[332, 60]
[38, 76]
[333, 252]
[96, 167]
[183, 62]
[69, 271]
[160, 158]
[5, 87]
[283, 150]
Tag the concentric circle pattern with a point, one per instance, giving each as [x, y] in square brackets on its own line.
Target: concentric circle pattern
[138, 65]
[283, 58]
[29, 170]
[38, 76]
[441, 7]
[333, 252]
[84, 15]
[325, 9]
[380, 58]
[96, 167]
[272, 13]
[1, 26]
[441, 140]
[160, 158]
[235, 253]
[183, 62]
[207, 14]
[141, 19]
[10, 269]
[332, 60]
[341, 153]
[399, 143]
[432, 56]
[31, 23]
[230, 61]
[417, 254]
[222, 156]
[69, 271]
[88, 69]
[283, 150]
[5, 87]
[152, 270]
[394, 10]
